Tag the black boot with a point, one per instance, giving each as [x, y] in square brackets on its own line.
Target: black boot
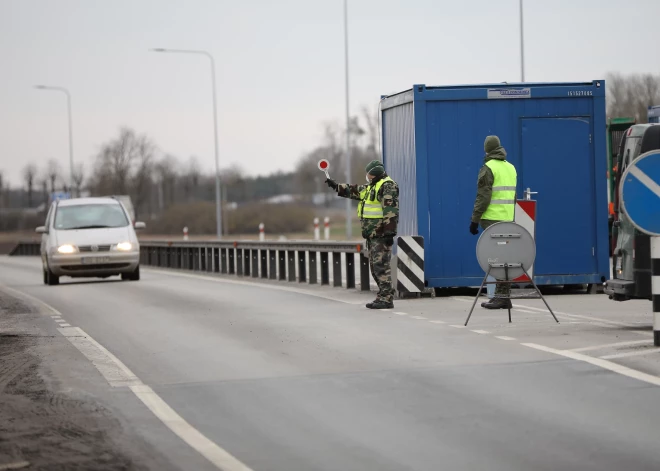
[497, 303]
[380, 304]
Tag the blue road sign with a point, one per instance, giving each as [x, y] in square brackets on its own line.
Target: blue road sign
[640, 193]
[60, 195]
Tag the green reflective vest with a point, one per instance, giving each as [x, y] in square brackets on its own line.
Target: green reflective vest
[370, 207]
[503, 200]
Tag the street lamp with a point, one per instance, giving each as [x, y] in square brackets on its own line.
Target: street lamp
[218, 207]
[68, 103]
[348, 126]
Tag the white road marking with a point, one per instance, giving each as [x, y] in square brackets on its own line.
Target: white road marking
[504, 337]
[577, 316]
[419, 317]
[482, 332]
[525, 311]
[437, 322]
[458, 326]
[65, 325]
[631, 354]
[118, 374]
[608, 365]
[15, 465]
[400, 313]
[608, 345]
[645, 180]
[56, 317]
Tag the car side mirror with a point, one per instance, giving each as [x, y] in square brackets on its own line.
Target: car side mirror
[41, 230]
[140, 225]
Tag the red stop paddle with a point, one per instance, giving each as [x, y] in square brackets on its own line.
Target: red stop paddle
[324, 165]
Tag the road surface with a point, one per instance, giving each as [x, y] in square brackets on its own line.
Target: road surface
[289, 377]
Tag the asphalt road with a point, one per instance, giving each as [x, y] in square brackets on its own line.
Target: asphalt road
[284, 380]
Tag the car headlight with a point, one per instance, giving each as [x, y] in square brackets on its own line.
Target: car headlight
[124, 246]
[66, 249]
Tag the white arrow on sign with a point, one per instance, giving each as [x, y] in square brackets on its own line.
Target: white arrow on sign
[647, 181]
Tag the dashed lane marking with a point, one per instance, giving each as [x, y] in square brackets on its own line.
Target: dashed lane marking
[65, 325]
[504, 337]
[458, 326]
[437, 322]
[400, 313]
[419, 317]
[482, 332]
[525, 311]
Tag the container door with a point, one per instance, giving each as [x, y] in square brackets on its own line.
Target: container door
[557, 162]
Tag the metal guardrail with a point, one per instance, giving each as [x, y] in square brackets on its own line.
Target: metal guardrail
[294, 261]
[26, 248]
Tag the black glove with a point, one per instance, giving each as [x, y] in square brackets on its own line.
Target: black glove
[389, 241]
[332, 184]
[474, 228]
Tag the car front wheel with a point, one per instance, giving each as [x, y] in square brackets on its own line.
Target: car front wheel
[50, 279]
[135, 276]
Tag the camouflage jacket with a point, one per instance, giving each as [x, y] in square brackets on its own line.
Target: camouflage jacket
[388, 197]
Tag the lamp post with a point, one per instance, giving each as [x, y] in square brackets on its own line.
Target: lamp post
[348, 125]
[68, 106]
[218, 205]
[522, 44]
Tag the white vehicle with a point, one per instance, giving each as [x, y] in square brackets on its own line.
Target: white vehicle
[89, 237]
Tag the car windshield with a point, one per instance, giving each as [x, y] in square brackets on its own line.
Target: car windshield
[90, 216]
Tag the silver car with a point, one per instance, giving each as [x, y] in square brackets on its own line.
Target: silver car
[89, 237]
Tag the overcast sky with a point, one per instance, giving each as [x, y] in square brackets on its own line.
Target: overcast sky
[280, 66]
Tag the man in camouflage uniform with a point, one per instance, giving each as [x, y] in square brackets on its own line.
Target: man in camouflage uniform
[379, 215]
[495, 202]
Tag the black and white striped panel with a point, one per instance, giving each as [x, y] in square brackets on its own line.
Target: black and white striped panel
[655, 283]
[410, 264]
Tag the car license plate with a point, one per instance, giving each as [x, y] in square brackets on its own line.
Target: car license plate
[94, 260]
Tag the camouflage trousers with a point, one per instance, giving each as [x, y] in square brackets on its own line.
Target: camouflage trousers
[380, 257]
[501, 289]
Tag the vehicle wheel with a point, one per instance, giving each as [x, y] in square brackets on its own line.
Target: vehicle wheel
[135, 276]
[50, 279]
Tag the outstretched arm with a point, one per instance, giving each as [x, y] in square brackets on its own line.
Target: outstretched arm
[350, 191]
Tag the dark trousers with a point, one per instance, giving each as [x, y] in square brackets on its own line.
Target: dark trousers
[380, 257]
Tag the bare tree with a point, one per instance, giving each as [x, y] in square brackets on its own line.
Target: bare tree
[78, 178]
[631, 95]
[29, 174]
[142, 166]
[371, 123]
[166, 174]
[53, 173]
[44, 191]
[2, 188]
[191, 179]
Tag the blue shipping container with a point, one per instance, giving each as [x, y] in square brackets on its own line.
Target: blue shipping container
[555, 135]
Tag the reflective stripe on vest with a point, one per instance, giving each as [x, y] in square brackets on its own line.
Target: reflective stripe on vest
[368, 208]
[503, 199]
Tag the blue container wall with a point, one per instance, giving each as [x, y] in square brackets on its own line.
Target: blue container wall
[558, 147]
[399, 158]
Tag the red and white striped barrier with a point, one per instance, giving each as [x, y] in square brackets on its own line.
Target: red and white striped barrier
[525, 215]
[317, 231]
[185, 233]
[326, 228]
[262, 234]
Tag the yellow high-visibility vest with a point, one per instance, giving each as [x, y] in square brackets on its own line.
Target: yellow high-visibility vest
[503, 200]
[371, 208]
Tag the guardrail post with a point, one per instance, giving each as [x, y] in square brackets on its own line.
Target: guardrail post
[325, 269]
[223, 261]
[216, 260]
[255, 263]
[196, 261]
[365, 276]
[231, 267]
[312, 267]
[239, 262]
[302, 266]
[209, 259]
[246, 262]
[350, 270]
[264, 263]
[202, 258]
[336, 269]
[282, 265]
[179, 258]
[191, 259]
[291, 254]
[272, 255]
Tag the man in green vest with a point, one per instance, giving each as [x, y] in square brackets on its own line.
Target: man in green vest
[495, 202]
[378, 210]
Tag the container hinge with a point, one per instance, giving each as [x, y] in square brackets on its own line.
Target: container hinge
[593, 251]
[589, 138]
